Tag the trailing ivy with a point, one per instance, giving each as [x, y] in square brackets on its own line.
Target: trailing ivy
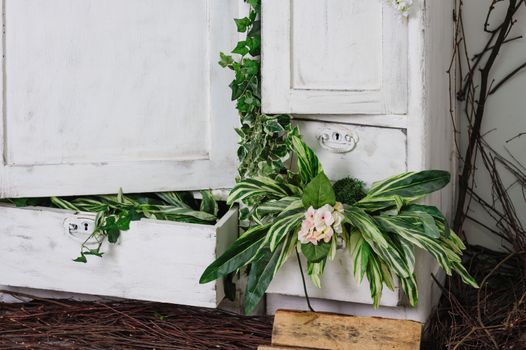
[264, 144]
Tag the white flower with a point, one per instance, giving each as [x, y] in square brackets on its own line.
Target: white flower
[323, 217]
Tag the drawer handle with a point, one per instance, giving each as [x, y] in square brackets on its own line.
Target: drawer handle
[338, 139]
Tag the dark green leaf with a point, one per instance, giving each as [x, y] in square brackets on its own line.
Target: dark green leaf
[259, 278]
[315, 253]
[241, 252]
[319, 192]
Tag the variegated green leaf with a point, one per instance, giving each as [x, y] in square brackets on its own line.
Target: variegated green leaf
[360, 252]
[173, 198]
[282, 226]
[288, 246]
[359, 219]
[410, 289]
[239, 254]
[177, 212]
[315, 271]
[411, 184]
[464, 274]
[274, 207]
[418, 237]
[208, 203]
[375, 278]
[261, 186]
[64, 204]
[308, 164]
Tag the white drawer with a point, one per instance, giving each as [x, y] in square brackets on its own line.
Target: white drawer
[154, 260]
[377, 153]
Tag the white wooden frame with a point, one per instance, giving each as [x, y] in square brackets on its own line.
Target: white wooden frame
[280, 97]
[215, 170]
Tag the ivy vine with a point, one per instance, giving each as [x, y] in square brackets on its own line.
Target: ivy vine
[264, 144]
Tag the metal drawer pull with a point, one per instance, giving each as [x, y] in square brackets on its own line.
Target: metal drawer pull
[337, 139]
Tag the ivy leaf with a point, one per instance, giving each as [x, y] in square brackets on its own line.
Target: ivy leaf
[315, 253]
[319, 192]
[113, 234]
[225, 60]
[273, 126]
[241, 48]
[242, 24]
[81, 259]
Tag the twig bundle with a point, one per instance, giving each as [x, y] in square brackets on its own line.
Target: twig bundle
[493, 317]
[47, 324]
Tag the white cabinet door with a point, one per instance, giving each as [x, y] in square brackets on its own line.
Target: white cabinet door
[333, 57]
[106, 94]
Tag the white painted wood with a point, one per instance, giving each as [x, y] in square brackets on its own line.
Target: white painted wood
[155, 260]
[380, 152]
[99, 95]
[337, 283]
[333, 57]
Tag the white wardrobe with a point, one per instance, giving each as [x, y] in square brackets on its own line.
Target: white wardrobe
[369, 91]
[99, 95]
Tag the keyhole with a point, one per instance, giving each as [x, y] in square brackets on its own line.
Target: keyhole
[336, 136]
[86, 226]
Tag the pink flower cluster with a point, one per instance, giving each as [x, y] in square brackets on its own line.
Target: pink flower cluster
[321, 224]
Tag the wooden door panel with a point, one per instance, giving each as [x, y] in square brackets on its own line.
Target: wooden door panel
[333, 57]
[103, 94]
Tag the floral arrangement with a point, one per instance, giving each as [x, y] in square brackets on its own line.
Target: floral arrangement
[379, 228]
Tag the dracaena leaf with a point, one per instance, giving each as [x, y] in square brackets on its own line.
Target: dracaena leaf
[411, 185]
[260, 275]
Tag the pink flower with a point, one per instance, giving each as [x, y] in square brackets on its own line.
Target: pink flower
[321, 224]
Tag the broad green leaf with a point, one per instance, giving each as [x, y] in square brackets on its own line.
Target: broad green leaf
[319, 192]
[308, 163]
[240, 253]
[259, 278]
[316, 253]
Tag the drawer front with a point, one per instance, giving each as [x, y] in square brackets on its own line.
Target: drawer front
[370, 154]
[154, 260]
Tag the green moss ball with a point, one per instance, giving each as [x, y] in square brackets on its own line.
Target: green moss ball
[349, 190]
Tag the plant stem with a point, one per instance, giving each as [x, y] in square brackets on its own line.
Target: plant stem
[303, 281]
